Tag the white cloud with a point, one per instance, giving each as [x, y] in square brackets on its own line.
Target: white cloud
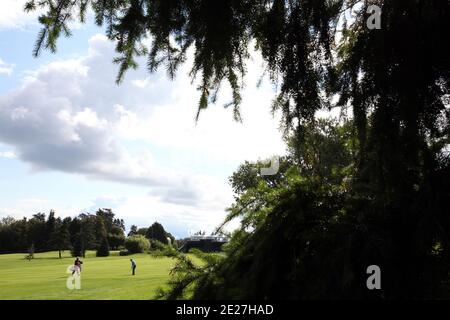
[6, 68]
[142, 83]
[12, 15]
[25, 207]
[7, 154]
[87, 118]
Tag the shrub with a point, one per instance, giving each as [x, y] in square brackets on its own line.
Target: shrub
[157, 245]
[137, 244]
[124, 252]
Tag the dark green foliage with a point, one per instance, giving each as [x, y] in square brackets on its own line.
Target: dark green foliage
[116, 241]
[306, 236]
[78, 246]
[13, 235]
[156, 245]
[186, 272]
[137, 244]
[101, 238]
[133, 231]
[156, 232]
[112, 225]
[142, 231]
[50, 225]
[91, 230]
[60, 237]
[107, 216]
[37, 231]
[113, 230]
[103, 249]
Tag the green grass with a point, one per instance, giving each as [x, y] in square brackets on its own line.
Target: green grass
[45, 277]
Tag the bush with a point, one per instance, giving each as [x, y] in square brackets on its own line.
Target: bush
[157, 245]
[124, 252]
[137, 244]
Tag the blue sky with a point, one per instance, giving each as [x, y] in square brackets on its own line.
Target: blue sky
[72, 140]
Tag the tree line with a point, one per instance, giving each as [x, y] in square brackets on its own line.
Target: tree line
[101, 232]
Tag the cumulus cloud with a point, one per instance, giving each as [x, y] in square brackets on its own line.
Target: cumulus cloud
[70, 116]
[61, 119]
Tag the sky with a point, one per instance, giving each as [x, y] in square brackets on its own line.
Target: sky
[73, 141]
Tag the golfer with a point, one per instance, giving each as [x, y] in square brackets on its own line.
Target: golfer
[133, 266]
[77, 266]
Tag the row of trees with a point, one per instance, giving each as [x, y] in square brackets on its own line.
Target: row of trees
[155, 232]
[100, 231]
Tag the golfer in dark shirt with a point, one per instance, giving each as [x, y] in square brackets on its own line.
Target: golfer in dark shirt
[133, 266]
